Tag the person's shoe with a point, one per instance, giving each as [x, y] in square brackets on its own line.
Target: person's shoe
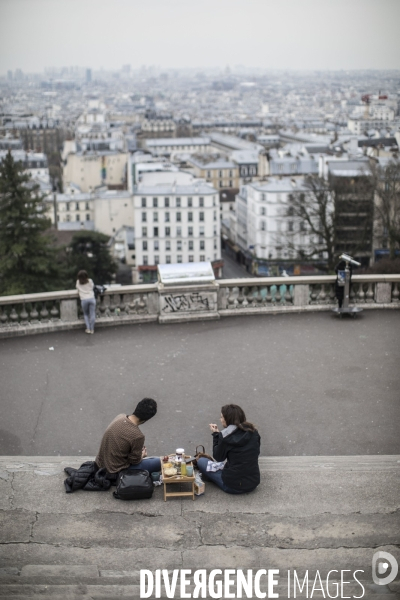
[91, 331]
[87, 331]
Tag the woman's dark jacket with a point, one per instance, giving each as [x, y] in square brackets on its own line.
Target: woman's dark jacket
[241, 449]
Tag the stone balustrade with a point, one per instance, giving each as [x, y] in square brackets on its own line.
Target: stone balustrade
[52, 311]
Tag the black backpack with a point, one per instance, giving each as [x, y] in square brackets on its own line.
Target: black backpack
[134, 484]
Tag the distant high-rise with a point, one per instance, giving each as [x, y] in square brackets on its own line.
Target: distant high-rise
[88, 75]
[9, 75]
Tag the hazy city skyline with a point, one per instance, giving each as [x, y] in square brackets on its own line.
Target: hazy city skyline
[309, 35]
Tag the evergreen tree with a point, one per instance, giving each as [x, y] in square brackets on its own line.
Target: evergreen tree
[89, 251]
[28, 260]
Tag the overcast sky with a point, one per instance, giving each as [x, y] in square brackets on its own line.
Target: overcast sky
[288, 34]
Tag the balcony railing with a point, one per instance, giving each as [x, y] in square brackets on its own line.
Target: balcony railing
[52, 311]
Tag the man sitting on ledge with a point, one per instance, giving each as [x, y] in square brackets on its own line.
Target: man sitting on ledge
[122, 445]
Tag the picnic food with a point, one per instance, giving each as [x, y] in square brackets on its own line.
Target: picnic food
[170, 471]
[168, 465]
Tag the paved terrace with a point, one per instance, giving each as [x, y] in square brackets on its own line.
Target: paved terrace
[323, 392]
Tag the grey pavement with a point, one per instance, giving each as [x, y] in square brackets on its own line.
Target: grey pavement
[313, 384]
[309, 513]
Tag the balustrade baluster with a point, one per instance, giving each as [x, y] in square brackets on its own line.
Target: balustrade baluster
[44, 313]
[273, 290]
[3, 316]
[360, 293]
[24, 315]
[289, 294]
[142, 303]
[257, 296]
[14, 316]
[352, 294]
[250, 297]
[313, 294]
[263, 295]
[370, 292]
[332, 293]
[34, 314]
[278, 297]
[230, 299]
[54, 312]
[395, 292]
[321, 298]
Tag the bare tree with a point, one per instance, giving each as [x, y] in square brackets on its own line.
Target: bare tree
[311, 233]
[387, 205]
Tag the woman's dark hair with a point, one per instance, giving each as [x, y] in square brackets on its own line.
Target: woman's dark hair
[234, 415]
[83, 277]
[145, 409]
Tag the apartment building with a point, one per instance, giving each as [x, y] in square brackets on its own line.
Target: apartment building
[92, 169]
[176, 221]
[216, 169]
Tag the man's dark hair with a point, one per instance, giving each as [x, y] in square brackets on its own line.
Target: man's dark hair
[145, 409]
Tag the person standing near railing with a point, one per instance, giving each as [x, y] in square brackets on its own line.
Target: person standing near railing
[85, 287]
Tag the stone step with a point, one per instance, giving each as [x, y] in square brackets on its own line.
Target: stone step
[115, 591]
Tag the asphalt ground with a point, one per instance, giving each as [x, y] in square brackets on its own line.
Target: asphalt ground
[313, 384]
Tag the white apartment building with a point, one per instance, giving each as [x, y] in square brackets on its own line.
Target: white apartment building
[92, 169]
[71, 211]
[176, 221]
[113, 210]
[264, 225]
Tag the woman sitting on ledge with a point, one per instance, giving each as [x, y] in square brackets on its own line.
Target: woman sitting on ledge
[236, 448]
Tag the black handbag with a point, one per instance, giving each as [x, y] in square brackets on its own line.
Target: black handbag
[134, 484]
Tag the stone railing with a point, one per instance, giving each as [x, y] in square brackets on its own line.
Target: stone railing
[52, 311]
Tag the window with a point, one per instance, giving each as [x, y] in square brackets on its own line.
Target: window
[190, 202]
[214, 201]
[168, 260]
[87, 217]
[77, 206]
[202, 257]
[190, 216]
[144, 245]
[155, 231]
[263, 226]
[201, 230]
[155, 217]
[263, 211]
[303, 226]
[263, 197]
[221, 185]
[290, 226]
[209, 174]
[68, 218]
[230, 183]
[67, 206]
[190, 231]
[143, 202]
[190, 257]
[220, 174]
[202, 245]
[179, 244]
[178, 203]
[156, 245]
[145, 260]
[215, 245]
[179, 216]
[144, 231]
[87, 206]
[179, 258]
[77, 218]
[155, 202]
[215, 215]
[167, 217]
[167, 231]
[215, 230]
[166, 202]
[190, 244]
[144, 217]
[201, 202]
[201, 216]
[156, 259]
[168, 245]
[230, 174]
[178, 231]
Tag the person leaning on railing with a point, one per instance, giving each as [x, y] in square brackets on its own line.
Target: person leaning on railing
[85, 287]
